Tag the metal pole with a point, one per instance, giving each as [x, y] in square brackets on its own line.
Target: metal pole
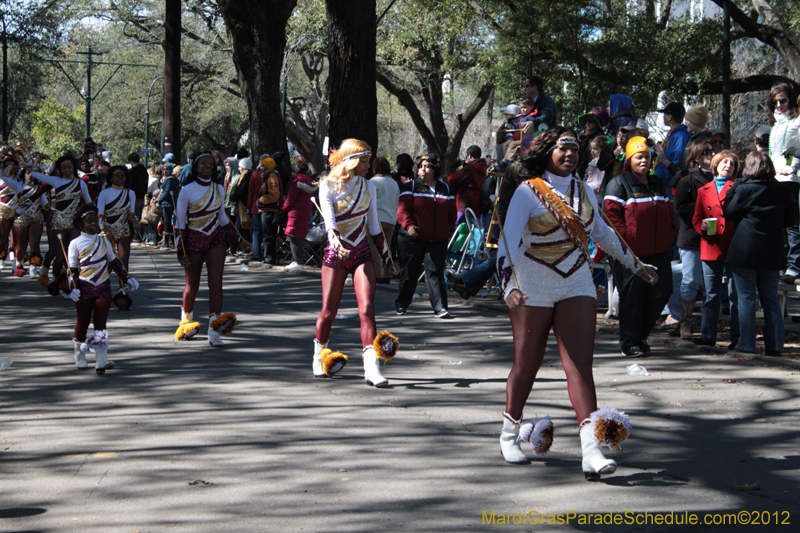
[88, 97]
[726, 73]
[5, 83]
[147, 120]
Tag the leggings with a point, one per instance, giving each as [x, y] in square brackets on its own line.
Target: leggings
[123, 249]
[22, 236]
[96, 308]
[573, 322]
[214, 259]
[332, 286]
[5, 230]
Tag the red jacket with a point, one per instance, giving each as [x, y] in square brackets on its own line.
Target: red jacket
[298, 206]
[709, 205]
[641, 213]
[431, 209]
[252, 191]
[466, 185]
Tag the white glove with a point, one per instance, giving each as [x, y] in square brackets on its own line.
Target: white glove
[650, 268]
[75, 295]
[132, 284]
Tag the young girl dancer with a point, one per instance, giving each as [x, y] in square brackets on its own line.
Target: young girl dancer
[90, 257]
[116, 206]
[349, 206]
[201, 233]
[28, 222]
[543, 260]
[8, 207]
[65, 200]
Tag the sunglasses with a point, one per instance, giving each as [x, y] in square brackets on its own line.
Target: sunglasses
[717, 141]
[780, 101]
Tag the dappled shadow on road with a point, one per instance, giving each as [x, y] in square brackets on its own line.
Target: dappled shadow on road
[273, 442]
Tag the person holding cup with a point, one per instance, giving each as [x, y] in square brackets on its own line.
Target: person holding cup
[715, 237]
[698, 174]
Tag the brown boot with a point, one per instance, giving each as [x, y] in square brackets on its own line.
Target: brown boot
[687, 308]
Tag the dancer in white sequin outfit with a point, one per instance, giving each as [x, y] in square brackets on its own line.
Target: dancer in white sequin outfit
[555, 287]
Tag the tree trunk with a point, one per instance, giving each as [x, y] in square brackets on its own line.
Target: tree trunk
[771, 32]
[172, 78]
[351, 53]
[258, 32]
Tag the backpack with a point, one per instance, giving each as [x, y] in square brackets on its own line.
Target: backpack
[270, 192]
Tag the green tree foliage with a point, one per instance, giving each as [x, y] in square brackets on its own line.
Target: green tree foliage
[31, 30]
[436, 58]
[589, 50]
[55, 127]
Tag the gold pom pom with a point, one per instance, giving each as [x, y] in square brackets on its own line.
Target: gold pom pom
[385, 345]
[332, 362]
[43, 279]
[187, 330]
[224, 323]
[122, 301]
[610, 433]
[36, 260]
[64, 286]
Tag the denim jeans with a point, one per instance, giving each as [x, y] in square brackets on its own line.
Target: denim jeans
[692, 270]
[673, 307]
[256, 239]
[476, 277]
[713, 272]
[752, 285]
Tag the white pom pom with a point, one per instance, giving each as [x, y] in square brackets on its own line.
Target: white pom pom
[525, 432]
[542, 436]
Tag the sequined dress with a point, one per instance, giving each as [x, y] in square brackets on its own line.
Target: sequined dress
[353, 212]
[201, 216]
[549, 266]
[8, 201]
[28, 210]
[65, 198]
[114, 205]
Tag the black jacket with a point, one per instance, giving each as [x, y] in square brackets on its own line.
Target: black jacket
[759, 209]
[685, 200]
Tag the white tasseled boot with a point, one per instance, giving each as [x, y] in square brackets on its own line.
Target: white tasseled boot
[2, 265]
[214, 338]
[594, 462]
[372, 374]
[316, 364]
[509, 443]
[32, 272]
[80, 356]
[102, 363]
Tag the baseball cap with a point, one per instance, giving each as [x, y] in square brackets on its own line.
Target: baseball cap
[763, 132]
[168, 158]
[675, 109]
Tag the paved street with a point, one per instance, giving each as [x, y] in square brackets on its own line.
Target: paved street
[188, 437]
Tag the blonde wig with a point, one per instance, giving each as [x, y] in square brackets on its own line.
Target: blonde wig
[344, 161]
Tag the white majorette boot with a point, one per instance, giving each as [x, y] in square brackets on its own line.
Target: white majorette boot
[213, 337]
[80, 356]
[220, 325]
[98, 343]
[604, 427]
[509, 441]
[372, 374]
[187, 328]
[316, 363]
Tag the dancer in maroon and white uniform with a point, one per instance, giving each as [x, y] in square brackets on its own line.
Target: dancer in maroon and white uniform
[202, 232]
[90, 259]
